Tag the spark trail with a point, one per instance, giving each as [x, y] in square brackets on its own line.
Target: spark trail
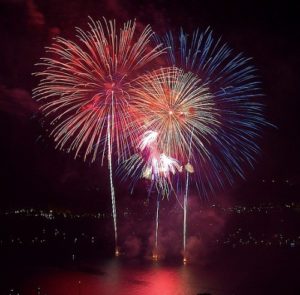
[155, 251]
[85, 91]
[185, 202]
[112, 189]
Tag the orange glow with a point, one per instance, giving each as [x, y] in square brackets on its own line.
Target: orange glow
[155, 257]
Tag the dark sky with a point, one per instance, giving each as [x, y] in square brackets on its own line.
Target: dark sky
[33, 173]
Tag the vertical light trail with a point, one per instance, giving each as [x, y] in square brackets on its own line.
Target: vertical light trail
[185, 204]
[112, 189]
[155, 253]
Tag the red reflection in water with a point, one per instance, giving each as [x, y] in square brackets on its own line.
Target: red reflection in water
[115, 278]
[164, 282]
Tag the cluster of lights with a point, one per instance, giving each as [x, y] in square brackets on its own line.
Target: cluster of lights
[46, 237]
[239, 238]
[51, 215]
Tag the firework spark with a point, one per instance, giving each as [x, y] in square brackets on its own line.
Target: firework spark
[223, 149]
[172, 103]
[229, 145]
[151, 164]
[86, 84]
[85, 90]
[155, 166]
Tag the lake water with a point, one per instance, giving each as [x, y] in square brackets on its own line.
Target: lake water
[254, 273]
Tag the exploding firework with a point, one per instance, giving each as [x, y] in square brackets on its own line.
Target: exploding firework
[174, 106]
[223, 146]
[85, 90]
[87, 85]
[226, 147]
[173, 103]
[149, 163]
[155, 166]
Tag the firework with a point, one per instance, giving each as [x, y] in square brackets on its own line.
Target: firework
[226, 144]
[225, 148]
[173, 103]
[156, 167]
[85, 90]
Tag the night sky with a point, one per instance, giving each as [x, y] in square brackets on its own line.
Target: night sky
[33, 173]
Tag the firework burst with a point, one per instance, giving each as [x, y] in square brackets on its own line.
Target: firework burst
[234, 89]
[175, 106]
[173, 103]
[87, 84]
[151, 164]
[85, 90]
[180, 121]
[229, 146]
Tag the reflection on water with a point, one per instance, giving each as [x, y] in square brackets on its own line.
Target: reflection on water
[238, 274]
[118, 277]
